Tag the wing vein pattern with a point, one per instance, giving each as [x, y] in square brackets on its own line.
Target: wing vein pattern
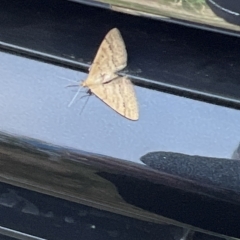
[116, 91]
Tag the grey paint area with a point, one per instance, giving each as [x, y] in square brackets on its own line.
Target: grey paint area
[34, 102]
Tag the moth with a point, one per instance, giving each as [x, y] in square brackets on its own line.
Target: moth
[104, 82]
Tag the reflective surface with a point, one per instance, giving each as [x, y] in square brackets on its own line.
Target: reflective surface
[36, 105]
[66, 220]
[186, 12]
[172, 58]
[83, 166]
[33, 102]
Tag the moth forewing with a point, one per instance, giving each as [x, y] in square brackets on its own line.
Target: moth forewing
[111, 57]
[118, 94]
[116, 91]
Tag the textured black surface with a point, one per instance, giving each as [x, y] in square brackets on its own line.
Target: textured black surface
[177, 59]
[224, 173]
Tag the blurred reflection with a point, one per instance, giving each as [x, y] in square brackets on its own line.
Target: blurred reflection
[69, 220]
[204, 12]
[81, 175]
[228, 10]
[36, 106]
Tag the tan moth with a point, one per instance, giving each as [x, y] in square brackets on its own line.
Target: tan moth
[114, 90]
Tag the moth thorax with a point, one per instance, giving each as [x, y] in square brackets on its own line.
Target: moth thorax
[83, 83]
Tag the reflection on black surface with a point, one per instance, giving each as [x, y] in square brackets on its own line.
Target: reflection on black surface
[220, 172]
[193, 209]
[228, 10]
[208, 76]
[66, 220]
[60, 219]
[116, 186]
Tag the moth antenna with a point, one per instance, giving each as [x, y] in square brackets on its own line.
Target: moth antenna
[72, 85]
[74, 97]
[70, 80]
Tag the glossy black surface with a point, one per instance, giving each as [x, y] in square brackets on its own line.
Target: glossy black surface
[108, 184]
[176, 59]
[228, 10]
[34, 103]
[49, 148]
[66, 220]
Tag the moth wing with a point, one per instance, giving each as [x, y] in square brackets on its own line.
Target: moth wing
[110, 58]
[118, 94]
